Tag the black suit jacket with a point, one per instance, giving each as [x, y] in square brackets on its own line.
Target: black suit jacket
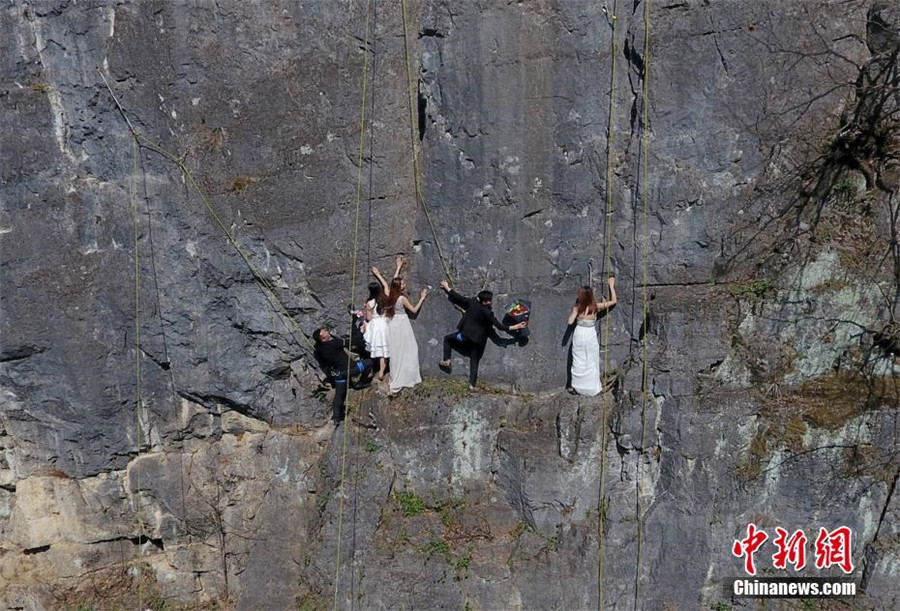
[331, 354]
[477, 320]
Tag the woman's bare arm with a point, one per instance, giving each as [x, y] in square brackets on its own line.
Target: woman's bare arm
[613, 299]
[573, 315]
[414, 308]
[384, 284]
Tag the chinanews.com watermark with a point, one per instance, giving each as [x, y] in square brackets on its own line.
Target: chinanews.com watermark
[831, 549]
[792, 587]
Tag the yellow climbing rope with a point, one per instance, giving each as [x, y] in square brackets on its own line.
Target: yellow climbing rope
[645, 306]
[601, 501]
[359, 181]
[410, 98]
[138, 403]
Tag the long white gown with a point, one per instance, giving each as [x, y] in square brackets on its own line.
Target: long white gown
[404, 351]
[376, 335]
[586, 359]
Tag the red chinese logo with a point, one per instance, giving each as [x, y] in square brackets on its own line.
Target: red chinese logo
[833, 548]
[747, 547]
[790, 550]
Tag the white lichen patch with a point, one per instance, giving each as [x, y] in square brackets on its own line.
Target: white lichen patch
[91, 248]
[817, 316]
[511, 165]
[823, 268]
[470, 440]
[733, 372]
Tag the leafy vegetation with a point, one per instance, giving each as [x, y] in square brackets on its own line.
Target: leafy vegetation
[311, 602]
[411, 504]
[238, 184]
[436, 547]
[761, 288]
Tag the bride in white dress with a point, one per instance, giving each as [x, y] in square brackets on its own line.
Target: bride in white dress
[401, 340]
[585, 347]
[376, 334]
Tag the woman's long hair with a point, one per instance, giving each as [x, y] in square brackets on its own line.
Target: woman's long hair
[586, 303]
[376, 294]
[390, 302]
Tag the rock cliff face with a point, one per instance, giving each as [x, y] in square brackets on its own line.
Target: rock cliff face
[164, 438]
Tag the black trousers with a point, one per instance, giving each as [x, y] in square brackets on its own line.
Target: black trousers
[361, 371]
[455, 341]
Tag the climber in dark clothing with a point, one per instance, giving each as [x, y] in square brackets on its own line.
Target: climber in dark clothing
[473, 330]
[333, 359]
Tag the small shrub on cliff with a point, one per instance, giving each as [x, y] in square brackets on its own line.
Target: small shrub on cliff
[311, 602]
[436, 547]
[238, 184]
[411, 504]
[753, 289]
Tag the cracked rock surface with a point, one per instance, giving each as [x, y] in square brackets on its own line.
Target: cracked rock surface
[164, 439]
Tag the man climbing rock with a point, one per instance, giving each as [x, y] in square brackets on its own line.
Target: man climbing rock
[330, 351]
[474, 328]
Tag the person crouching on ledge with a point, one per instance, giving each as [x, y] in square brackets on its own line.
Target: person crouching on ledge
[474, 328]
[333, 357]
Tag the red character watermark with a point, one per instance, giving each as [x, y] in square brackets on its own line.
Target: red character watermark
[790, 550]
[833, 548]
[747, 547]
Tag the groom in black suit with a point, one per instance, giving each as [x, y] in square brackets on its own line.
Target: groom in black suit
[473, 330]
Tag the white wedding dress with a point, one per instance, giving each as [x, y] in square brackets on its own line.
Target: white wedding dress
[404, 351]
[376, 335]
[586, 359]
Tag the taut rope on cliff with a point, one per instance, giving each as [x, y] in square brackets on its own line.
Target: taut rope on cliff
[420, 198]
[138, 399]
[645, 307]
[286, 317]
[601, 500]
[359, 183]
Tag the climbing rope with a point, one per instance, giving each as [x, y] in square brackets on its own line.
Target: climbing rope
[138, 403]
[601, 502]
[645, 306]
[411, 97]
[167, 359]
[371, 181]
[286, 318]
[359, 183]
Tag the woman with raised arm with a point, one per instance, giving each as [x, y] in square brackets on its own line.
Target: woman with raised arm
[585, 347]
[401, 340]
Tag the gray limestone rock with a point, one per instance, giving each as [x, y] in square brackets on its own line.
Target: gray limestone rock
[163, 425]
